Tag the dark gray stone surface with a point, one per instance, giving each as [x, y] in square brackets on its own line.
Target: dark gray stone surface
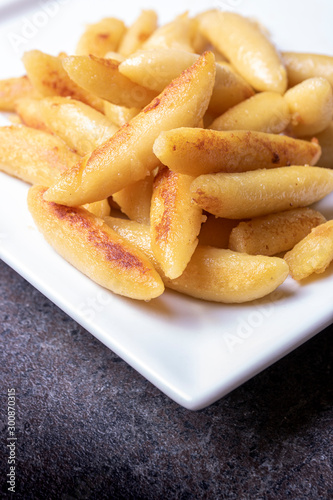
[89, 426]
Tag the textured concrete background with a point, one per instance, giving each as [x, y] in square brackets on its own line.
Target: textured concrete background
[90, 427]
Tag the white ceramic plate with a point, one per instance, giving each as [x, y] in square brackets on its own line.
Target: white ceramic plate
[194, 351]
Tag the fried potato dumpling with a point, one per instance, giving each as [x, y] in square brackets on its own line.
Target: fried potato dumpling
[101, 37]
[301, 66]
[107, 82]
[311, 106]
[175, 221]
[136, 35]
[177, 34]
[49, 78]
[82, 128]
[135, 200]
[237, 196]
[264, 112]
[13, 89]
[197, 151]
[274, 233]
[313, 254]
[91, 246]
[247, 48]
[33, 155]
